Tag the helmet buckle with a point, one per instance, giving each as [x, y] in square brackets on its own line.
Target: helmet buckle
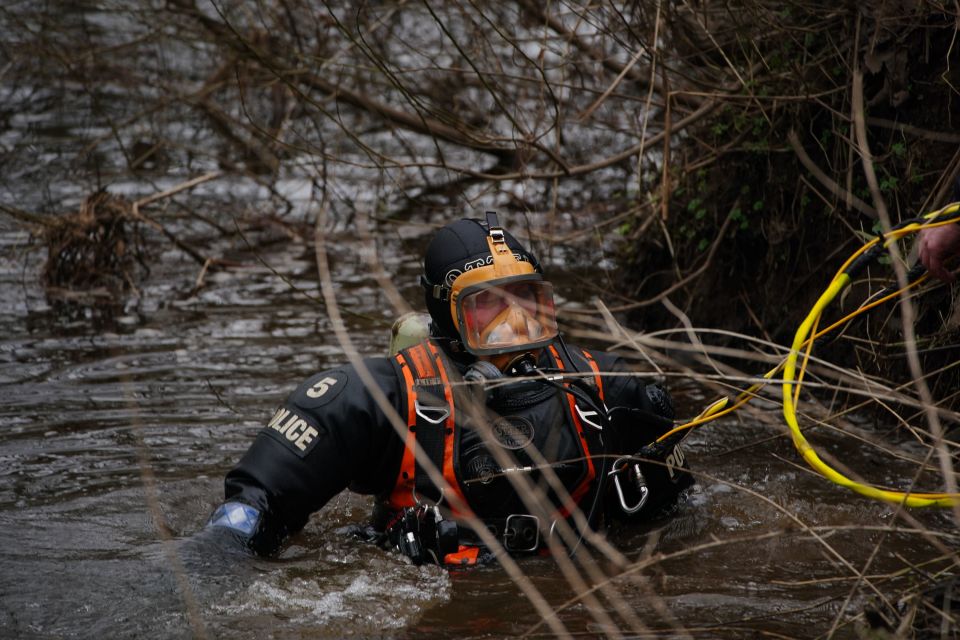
[494, 230]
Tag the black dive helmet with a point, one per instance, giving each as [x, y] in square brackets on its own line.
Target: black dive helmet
[473, 269]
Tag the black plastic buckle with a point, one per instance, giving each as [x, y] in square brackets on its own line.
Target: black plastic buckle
[521, 533]
[438, 291]
[405, 534]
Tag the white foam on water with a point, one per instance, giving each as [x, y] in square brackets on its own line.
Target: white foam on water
[391, 597]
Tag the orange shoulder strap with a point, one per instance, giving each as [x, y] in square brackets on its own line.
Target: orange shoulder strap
[596, 372]
[584, 487]
[431, 426]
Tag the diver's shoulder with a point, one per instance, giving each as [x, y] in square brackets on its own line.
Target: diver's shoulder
[329, 385]
[605, 360]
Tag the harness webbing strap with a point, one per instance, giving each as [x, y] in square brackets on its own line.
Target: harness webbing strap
[432, 411]
[449, 454]
[464, 555]
[587, 481]
[422, 364]
[431, 421]
[402, 493]
[596, 373]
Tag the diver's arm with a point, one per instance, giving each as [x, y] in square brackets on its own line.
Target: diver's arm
[639, 414]
[649, 405]
[327, 435]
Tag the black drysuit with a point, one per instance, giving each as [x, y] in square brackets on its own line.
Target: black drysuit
[330, 435]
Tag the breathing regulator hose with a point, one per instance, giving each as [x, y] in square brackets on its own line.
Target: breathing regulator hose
[803, 342]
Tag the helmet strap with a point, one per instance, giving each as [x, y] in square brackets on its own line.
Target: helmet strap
[504, 262]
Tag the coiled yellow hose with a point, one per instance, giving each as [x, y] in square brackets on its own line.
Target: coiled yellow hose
[803, 342]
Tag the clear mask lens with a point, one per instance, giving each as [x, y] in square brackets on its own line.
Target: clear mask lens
[504, 316]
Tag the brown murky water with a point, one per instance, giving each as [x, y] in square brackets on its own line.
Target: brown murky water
[195, 377]
[171, 386]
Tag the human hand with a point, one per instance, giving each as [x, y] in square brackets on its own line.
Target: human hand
[937, 246]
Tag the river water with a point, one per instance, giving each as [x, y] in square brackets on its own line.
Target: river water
[117, 426]
[172, 394]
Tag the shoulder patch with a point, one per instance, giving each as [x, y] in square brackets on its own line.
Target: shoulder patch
[320, 389]
[299, 433]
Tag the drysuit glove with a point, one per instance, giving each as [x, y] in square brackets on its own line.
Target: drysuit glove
[656, 451]
[236, 516]
[220, 544]
[635, 428]
[246, 527]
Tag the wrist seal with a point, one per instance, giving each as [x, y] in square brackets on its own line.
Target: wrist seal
[237, 516]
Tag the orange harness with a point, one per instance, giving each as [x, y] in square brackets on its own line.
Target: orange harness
[584, 486]
[428, 418]
[432, 426]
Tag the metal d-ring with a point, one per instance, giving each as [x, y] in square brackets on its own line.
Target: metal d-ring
[422, 410]
[416, 498]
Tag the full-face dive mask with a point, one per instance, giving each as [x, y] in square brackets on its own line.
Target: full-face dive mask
[498, 303]
[505, 314]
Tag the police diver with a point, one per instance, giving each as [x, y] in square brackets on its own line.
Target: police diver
[493, 394]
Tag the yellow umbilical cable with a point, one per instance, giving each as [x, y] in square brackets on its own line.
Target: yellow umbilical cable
[804, 339]
[806, 358]
[713, 410]
[792, 377]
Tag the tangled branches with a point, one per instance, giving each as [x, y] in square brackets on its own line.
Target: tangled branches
[95, 251]
[715, 141]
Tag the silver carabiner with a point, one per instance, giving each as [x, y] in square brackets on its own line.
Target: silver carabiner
[640, 483]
